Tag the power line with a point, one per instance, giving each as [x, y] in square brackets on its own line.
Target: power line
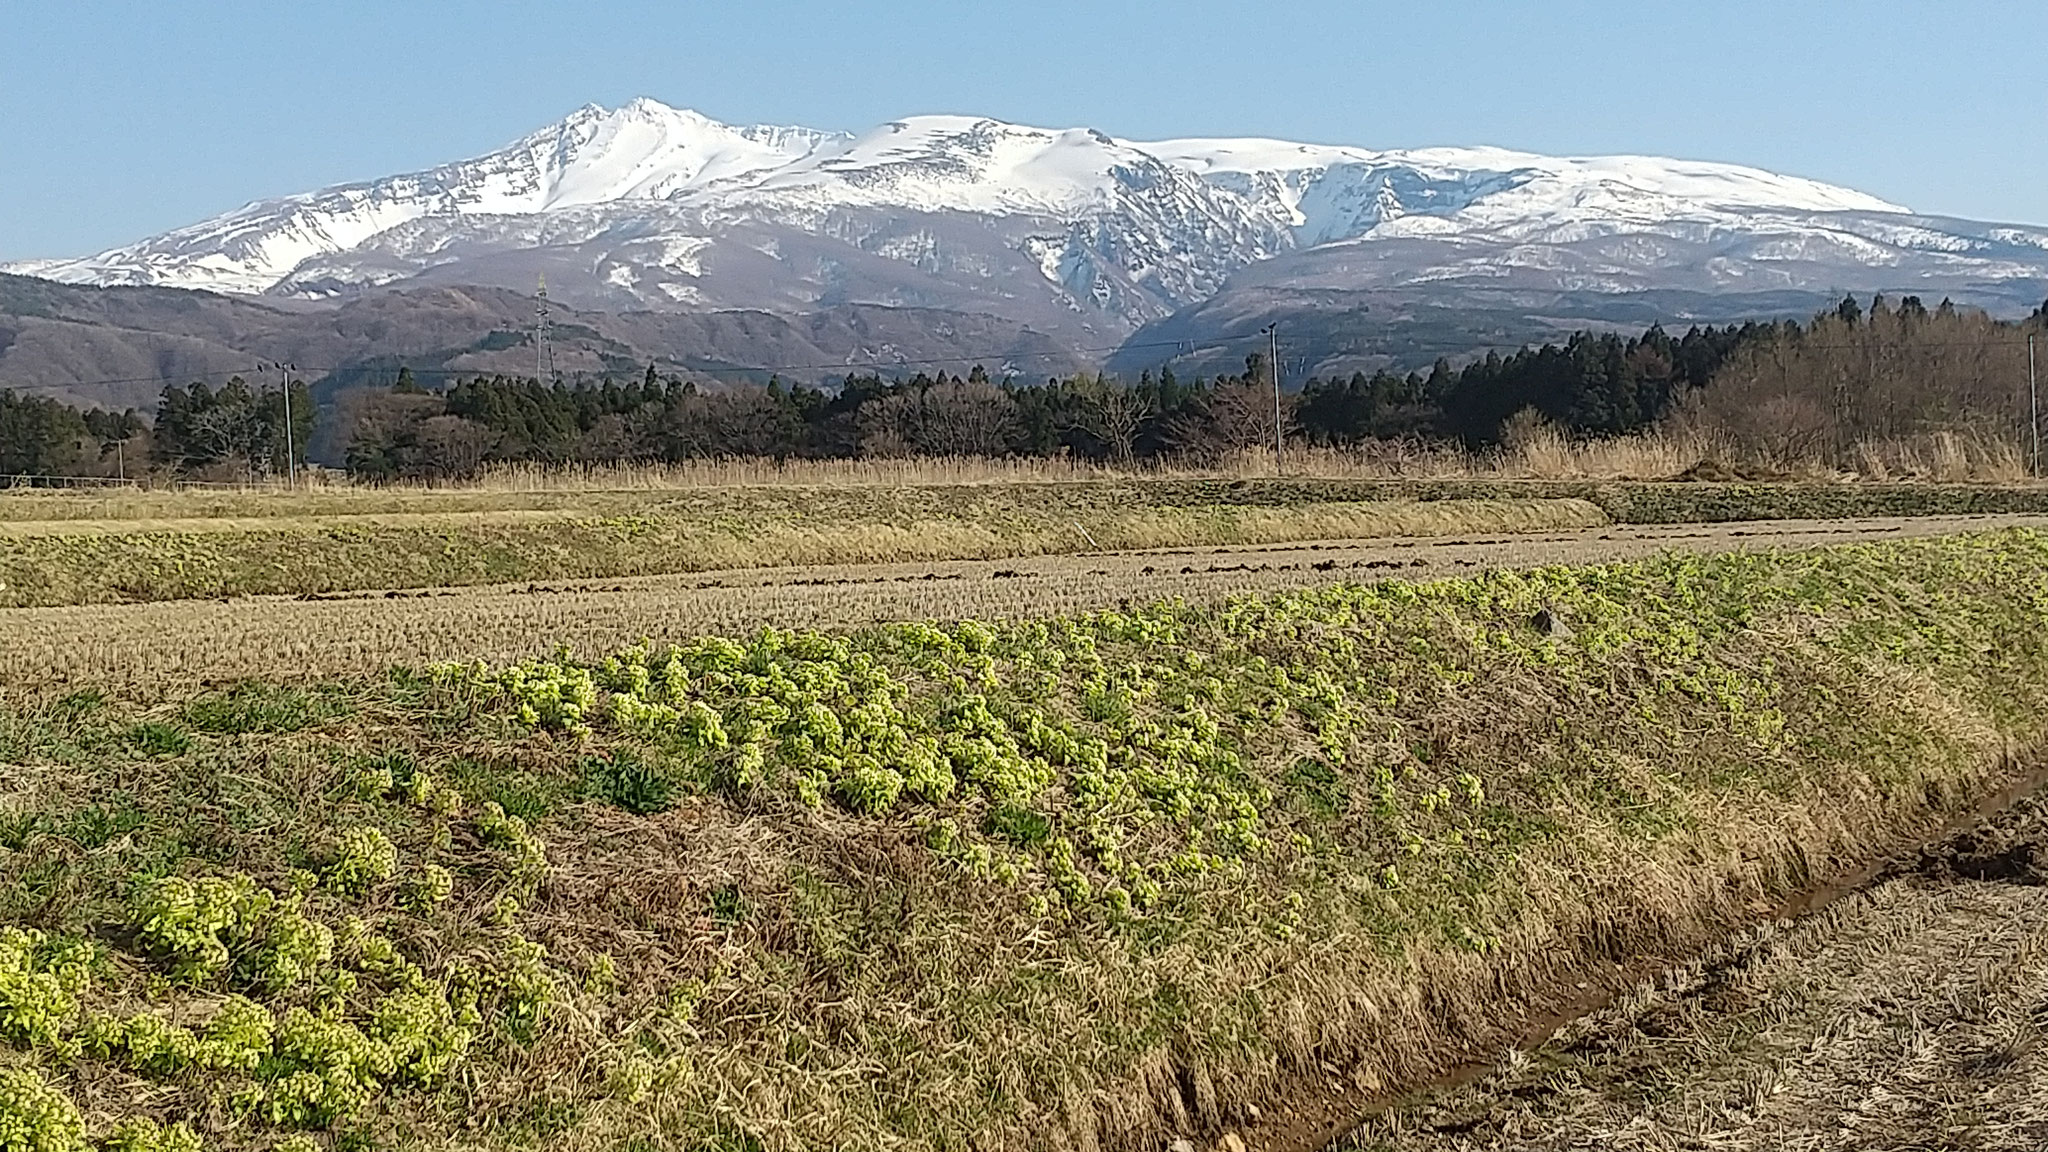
[1190, 346]
[1184, 347]
[195, 377]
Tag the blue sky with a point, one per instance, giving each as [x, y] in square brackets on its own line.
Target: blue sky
[120, 118]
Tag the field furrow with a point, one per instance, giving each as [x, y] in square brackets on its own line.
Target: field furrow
[158, 646]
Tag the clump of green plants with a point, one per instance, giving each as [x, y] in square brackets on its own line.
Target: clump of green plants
[624, 780]
[35, 1116]
[292, 1011]
[513, 834]
[144, 1134]
[253, 707]
[155, 738]
[429, 888]
[363, 857]
[141, 1134]
[41, 981]
[195, 923]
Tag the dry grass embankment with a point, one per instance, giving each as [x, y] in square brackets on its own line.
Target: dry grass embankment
[1052, 884]
[1904, 1016]
[1534, 451]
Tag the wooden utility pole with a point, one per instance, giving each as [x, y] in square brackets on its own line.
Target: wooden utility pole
[1273, 368]
[291, 457]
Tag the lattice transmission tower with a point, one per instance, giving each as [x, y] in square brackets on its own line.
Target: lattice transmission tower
[543, 328]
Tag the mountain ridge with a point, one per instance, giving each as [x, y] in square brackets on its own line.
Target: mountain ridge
[1070, 230]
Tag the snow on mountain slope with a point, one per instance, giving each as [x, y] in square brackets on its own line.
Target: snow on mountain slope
[642, 151]
[1330, 192]
[958, 163]
[652, 206]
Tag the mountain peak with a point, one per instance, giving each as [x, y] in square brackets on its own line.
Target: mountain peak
[648, 105]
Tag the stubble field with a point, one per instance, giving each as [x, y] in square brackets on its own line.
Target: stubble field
[158, 647]
[132, 546]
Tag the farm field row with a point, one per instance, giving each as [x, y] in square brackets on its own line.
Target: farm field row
[1096, 880]
[50, 564]
[59, 548]
[163, 647]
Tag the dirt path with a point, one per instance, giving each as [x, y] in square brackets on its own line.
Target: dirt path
[154, 646]
[1906, 1015]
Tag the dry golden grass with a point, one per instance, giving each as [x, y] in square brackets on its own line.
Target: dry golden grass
[21, 529]
[1943, 457]
[162, 648]
[1534, 451]
[940, 539]
[883, 472]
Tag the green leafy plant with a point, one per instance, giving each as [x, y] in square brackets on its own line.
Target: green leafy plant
[156, 738]
[499, 830]
[35, 1116]
[362, 858]
[428, 888]
[623, 780]
[142, 1134]
[40, 984]
[194, 923]
[256, 707]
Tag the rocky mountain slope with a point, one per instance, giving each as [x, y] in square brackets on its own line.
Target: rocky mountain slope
[118, 347]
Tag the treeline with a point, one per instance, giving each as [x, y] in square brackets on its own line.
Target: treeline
[1592, 384]
[42, 437]
[1595, 384]
[1784, 390]
[412, 432]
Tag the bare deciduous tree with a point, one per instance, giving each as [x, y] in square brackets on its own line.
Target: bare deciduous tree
[952, 417]
[1114, 414]
[1237, 418]
[1852, 379]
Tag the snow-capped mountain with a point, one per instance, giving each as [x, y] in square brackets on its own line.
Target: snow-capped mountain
[1072, 231]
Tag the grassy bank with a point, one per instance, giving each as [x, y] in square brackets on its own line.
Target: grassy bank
[936, 495]
[169, 648]
[54, 563]
[1056, 884]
